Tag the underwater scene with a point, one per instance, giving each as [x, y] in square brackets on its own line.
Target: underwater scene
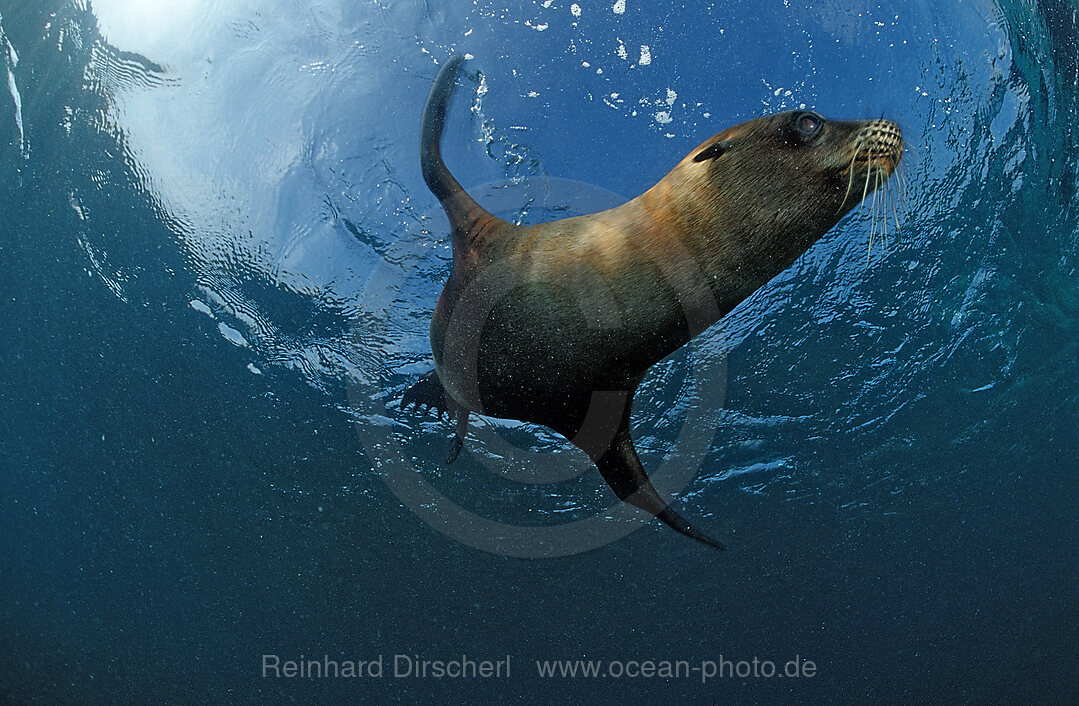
[219, 263]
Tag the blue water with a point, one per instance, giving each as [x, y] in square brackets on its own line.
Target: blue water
[217, 264]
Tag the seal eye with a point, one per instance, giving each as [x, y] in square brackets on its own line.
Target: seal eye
[808, 124]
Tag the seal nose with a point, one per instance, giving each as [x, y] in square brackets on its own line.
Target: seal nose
[883, 140]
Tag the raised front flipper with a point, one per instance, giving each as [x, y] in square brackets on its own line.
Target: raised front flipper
[623, 471]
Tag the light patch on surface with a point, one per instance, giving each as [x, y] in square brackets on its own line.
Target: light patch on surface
[663, 117]
[12, 60]
[232, 335]
[619, 7]
[149, 27]
[621, 51]
[538, 28]
[575, 10]
[77, 207]
[646, 56]
[201, 307]
[257, 371]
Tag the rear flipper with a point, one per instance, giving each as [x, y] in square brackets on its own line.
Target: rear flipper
[427, 393]
[623, 471]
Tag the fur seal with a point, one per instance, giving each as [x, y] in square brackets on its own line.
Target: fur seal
[557, 323]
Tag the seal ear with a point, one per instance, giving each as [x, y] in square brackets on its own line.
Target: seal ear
[713, 151]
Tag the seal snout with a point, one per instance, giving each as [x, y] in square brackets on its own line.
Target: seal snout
[875, 149]
[880, 144]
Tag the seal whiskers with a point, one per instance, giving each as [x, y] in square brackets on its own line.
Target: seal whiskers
[900, 190]
[880, 147]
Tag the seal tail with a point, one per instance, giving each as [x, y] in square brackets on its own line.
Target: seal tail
[623, 471]
[462, 210]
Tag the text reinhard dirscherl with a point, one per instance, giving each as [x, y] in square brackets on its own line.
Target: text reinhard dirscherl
[415, 667]
[403, 667]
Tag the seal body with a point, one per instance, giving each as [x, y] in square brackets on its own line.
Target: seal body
[557, 323]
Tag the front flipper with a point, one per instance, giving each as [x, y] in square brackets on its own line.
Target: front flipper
[427, 393]
[623, 471]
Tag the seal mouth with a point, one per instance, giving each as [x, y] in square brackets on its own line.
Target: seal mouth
[886, 160]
